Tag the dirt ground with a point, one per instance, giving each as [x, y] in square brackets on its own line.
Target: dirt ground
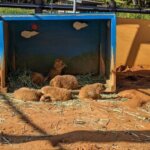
[111, 123]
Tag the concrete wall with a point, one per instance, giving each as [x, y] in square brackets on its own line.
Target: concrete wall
[133, 42]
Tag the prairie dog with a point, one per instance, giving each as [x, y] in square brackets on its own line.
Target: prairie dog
[91, 91]
[65, 81]
[27, 94]
[37, 78]
[56, 94]
[57, 69]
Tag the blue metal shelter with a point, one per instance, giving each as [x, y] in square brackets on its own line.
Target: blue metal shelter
[89, 50]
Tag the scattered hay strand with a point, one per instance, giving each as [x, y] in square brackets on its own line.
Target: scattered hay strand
[89, 79]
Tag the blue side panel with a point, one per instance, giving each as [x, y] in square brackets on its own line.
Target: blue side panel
[1, 43]
[113, 37]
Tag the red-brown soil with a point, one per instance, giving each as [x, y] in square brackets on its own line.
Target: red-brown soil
[110, 123]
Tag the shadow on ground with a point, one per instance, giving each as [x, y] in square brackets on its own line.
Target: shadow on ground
[83, 136]
[71, 137]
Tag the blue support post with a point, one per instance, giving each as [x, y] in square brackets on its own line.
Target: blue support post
[2, 58]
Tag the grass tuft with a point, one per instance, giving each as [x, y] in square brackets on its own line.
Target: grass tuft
[20, 78]
[15, 11]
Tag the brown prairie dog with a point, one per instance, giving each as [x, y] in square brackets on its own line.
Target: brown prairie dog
[59, 65]
[56, 94]
[91, 91]
[27, 94]
[37, 78]
[65, 81]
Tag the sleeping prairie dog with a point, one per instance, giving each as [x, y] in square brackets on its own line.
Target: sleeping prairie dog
[65, 81]
[27, 94]
[56, 94]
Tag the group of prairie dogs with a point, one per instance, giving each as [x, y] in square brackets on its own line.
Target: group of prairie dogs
[60, 87]
[57, 69]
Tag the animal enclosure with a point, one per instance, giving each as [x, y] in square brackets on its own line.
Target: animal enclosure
[85, 42]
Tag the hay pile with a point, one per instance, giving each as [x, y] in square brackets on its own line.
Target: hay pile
[89, 79]
[20, 78]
